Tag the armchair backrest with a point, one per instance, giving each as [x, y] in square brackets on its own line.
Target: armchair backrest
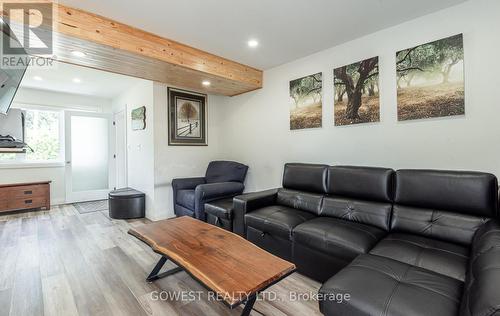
[226, 171]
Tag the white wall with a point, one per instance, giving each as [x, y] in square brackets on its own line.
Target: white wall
[259, 121]
[152, 164]
[54, 172]
[181, 161]
[140, 144]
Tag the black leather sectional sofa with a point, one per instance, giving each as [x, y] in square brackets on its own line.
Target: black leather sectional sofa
[406, 242]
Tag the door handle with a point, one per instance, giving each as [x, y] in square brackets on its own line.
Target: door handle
[68, 162]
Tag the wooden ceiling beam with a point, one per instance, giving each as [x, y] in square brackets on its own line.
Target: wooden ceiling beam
[116, 47]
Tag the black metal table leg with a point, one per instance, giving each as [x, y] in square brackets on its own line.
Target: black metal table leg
[154, 274]
[249, 305]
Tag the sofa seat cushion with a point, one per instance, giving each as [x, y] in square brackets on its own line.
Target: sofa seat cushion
[337, 237]
[277, 220]
[382, 286]
[186, 198]
[438, 256]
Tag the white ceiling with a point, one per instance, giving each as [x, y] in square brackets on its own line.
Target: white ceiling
[92, 82]
[286, 29]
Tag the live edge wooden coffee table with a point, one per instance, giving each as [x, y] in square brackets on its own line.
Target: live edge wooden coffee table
[223, 262]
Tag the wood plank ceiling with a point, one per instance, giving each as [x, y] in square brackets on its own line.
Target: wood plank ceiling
[116, 47]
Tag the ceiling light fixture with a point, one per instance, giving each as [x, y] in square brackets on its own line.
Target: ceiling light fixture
[253, 43]
[37, 78]
[206, 83]
[78, 53]
[76, 80]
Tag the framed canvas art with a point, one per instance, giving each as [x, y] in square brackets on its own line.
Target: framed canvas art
[306, 105]
[430, 80]
[139, 118]
[187, 118]
[357, 93]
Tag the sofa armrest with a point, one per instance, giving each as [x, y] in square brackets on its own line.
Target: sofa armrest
[249, 202]
[187, 183]
[481, 295]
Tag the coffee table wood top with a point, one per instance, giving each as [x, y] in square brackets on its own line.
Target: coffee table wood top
[226, 263]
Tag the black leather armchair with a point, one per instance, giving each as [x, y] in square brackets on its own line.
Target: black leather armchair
[223, 179]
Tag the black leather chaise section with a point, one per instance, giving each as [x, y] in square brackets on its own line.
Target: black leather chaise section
[434, 255]
[382, 286]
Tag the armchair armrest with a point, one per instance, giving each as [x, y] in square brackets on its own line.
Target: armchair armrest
[249, 202]
[213, 191]
[187, 183]
[219, 190]
[481, 295]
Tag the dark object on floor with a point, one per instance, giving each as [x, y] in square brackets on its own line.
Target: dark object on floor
[223, 179]
[233, 268]
[412, 242]
[220, 213]
[91, 206]
[127, 203]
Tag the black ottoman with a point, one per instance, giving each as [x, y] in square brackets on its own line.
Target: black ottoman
[220, 213]
[127, 203]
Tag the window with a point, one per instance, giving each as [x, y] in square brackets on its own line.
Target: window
[43, 133]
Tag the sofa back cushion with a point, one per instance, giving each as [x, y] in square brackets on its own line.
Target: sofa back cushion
[377, 214]
[448, 226]
[447, 205]
[305, 201]
[359, 194]
[305, 177]
[226, 171]
[364, 183]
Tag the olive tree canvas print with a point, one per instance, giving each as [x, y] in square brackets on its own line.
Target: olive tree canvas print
[306, 102]
[430, 80]
[357, 93]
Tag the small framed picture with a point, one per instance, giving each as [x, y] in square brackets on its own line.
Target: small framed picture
[187, 121]
[139, 119]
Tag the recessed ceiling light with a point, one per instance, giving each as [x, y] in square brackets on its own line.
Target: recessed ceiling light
[206, 83]
[78, 53]
[253, 43]
[38, 78]
[76, 80]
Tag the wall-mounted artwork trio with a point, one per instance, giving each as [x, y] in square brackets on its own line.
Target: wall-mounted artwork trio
[430, 84]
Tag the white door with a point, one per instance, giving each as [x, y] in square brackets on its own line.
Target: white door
[120, 125]
[87, 156]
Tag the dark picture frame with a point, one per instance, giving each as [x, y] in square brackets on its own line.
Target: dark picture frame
[187, 118]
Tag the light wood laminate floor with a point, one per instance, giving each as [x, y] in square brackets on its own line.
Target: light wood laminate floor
[61, 262]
